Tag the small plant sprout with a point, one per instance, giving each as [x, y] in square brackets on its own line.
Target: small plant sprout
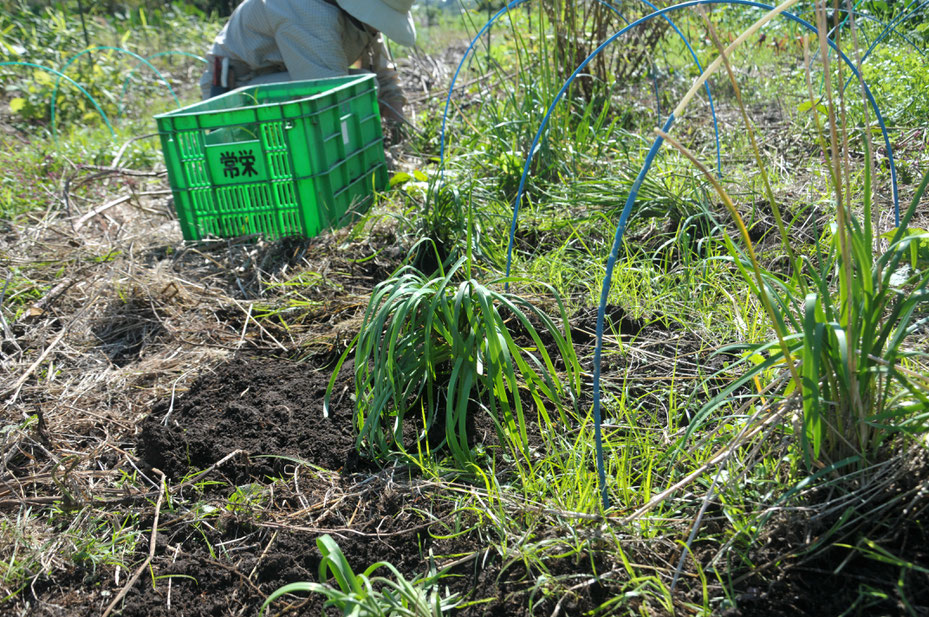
[366, 595]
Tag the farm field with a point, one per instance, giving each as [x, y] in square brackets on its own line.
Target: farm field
[673, 363]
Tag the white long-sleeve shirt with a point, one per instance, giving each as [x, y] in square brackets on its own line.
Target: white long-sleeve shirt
[301, 39]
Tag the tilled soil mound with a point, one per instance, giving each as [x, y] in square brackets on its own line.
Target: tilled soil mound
[271, 409]
[263, 406]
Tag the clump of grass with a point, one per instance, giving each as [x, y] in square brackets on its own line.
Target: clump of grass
[431, 352]
[365, 595]
[25, 547]
[842, 322]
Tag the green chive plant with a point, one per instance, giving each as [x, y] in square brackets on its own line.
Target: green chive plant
[365, 595]
[432, 352]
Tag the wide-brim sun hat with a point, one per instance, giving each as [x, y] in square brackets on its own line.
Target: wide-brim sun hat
[392, 17]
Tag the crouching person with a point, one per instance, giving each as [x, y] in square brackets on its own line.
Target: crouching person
[268, 41]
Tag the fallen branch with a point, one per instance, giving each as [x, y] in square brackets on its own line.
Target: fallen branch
[39, 306]
[122, 149]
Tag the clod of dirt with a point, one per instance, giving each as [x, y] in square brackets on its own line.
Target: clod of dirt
[267, 407]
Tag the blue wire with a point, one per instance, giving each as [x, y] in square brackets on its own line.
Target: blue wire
[889, 27]
[516, 3]
[149, 59]
[706, 85]
[892, 28]
[604, 292]
[893, 24]
[637, 184]
[116, 49]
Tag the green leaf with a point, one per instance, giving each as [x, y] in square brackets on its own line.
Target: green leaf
[291, 588]
[17, 104]
[14, 49]
[807, 106]
[334, 560]
[919, 248]
[400, 178]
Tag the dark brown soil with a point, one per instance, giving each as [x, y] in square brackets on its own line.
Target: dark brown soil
[264, 406]
[841, 580]
[249, 526]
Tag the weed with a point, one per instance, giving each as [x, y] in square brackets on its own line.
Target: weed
[365, 595]
[429, 349]
[845, 324]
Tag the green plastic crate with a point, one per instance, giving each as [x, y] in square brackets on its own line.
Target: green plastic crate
[286, 159]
